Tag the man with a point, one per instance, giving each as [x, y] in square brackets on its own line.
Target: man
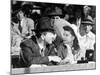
[38, 50]
[87, 41]
[20, 30]
[85, 37]
[86, 11]
[57, 21]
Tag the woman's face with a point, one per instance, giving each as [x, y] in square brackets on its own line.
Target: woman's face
[49, 37]
[67, 37]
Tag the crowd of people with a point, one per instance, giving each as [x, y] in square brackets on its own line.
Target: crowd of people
[52, 36]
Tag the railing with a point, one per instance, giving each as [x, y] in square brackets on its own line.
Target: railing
[67, 67]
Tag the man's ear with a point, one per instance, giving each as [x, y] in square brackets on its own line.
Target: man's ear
[91, 27]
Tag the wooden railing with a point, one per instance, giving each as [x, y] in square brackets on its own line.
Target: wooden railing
[67, 67]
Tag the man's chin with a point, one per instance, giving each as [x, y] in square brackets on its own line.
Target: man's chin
[49, 42]
[65, 42]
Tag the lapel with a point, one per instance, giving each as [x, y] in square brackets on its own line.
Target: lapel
[64, 51]
[47, 50]
[35, 46]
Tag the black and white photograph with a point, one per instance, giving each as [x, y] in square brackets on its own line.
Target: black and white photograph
[52, 37]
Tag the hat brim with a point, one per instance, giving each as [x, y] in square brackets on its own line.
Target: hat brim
[44, 30]
[87, 23]
[54, 14]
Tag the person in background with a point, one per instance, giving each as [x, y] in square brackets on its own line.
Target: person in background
[87, 40]
[55, 14]
[86, 13]
[69, 48]
[25, 24]
[78, 15]
[85, 36]
[37, 50]
[66, 17]
[15, 38]
[21, 27]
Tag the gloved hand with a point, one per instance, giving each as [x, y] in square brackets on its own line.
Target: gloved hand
[54, 58]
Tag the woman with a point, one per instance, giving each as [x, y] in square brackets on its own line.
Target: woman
[68, 50]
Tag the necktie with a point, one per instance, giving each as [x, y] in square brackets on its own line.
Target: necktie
[42, 52]
[20, 28]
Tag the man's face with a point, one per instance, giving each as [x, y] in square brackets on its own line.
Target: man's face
[20, 15]
[89, 28]
[49, 37]
[86, 28]
[83, 29]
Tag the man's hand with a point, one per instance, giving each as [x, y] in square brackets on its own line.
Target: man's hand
[54, 58]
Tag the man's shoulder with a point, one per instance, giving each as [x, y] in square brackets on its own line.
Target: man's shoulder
[28, 42]
[91, 34]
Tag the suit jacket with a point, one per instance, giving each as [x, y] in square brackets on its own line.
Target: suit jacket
[62, 51]
[31, 52]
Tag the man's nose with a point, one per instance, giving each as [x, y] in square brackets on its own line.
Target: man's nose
[53, 39]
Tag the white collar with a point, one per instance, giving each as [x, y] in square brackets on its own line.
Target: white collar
[41, 46]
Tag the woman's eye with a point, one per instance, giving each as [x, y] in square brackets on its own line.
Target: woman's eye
[66, 34]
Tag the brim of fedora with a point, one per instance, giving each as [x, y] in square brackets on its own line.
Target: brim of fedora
[43, 30]
[54, 13]
[89, 23]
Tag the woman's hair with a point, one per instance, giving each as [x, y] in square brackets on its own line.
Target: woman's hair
[75, 41]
